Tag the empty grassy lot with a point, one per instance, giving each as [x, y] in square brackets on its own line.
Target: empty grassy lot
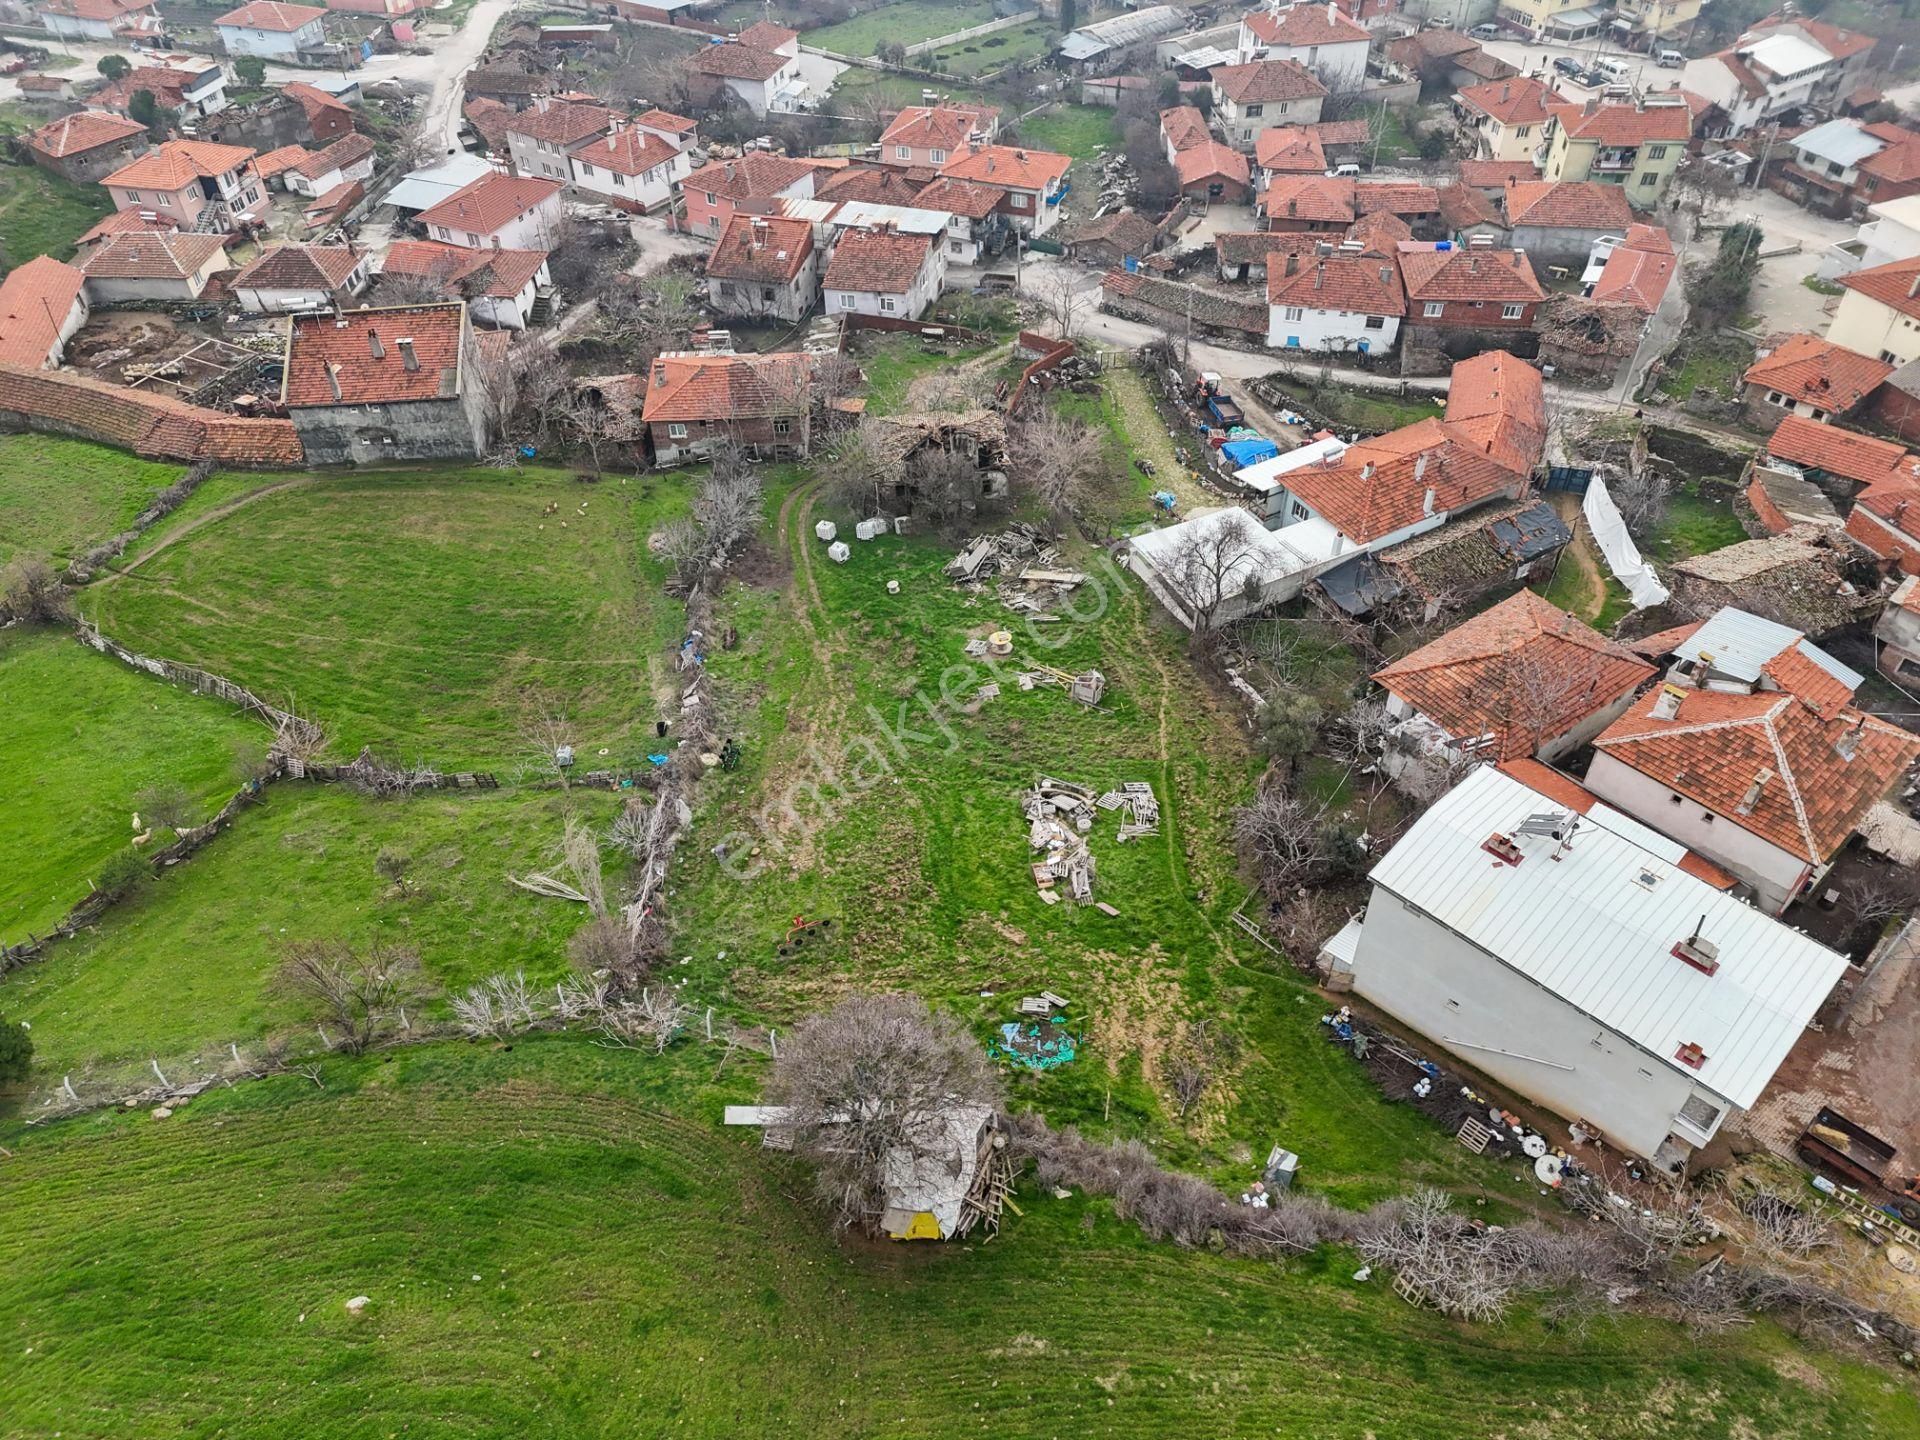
[557, 1240]
[41, 214]
[986, 53]
[58, 496]
[425, 614]
[1076, 130]
[81, 736]
[906, 23]
[185, 967]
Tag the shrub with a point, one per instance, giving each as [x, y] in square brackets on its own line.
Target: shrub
[16, 1052]
[125, 871]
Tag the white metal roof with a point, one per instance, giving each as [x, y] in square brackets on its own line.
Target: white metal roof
[1274, 466]
[1839, 142]
[907, 219]
[1741, 644]
[1588, 928]
[426, 187]
[1785, 55]
[1270, 554]
[1904, 211]
[1206, 57]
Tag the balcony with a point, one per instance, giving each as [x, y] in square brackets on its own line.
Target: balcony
[1616, 161]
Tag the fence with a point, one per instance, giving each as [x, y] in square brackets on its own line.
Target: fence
[1005, 22]
[204, 682]
[1570, 478]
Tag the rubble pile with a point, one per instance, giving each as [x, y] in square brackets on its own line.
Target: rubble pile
[1060, 816]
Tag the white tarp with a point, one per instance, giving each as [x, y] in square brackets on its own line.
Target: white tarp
[1623, 557]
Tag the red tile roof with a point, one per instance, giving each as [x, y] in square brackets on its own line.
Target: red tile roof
[1523, 672]
[1382, 231]
[151, 256]
[1639, 270]
[673, 124]
[1184, 127]
[879, 262]
[496, 274]
[1342, 132]
[628, 151]
[1290, 149]
[83, 131]
[94, 9]
[153, 425]
[1463, 208]
[1568, 205]
[961, 197]
[1359, 284]
[764, 35]
[755, 247]
[1379, 486]
[1252, 247]
[1840, 44]
[1304, 24]
[561, 122]
[876, 184]
[1625, 124]
[1893, 285]
[1896, 504]
[177, 164]
[1008, 165]
[1519, 101]
[34, 301]
[688, 387]
[312, 97]
[1394, 197]
[271, 15]
[1261, 82]
[167, 85]
[44, 84]
[1494, 174]
[1483, 274]
[1204, 162]
[1817, 775]
[936, 127]
[1497, 402]
[1664, 642]
[320, 343]
[751, 176]
[1818, 446]
[489, 119]
[737, 62]
[1818, 372]
[490, 202]
[124, 221]
[1900, 161]
[299, 267]
[347, 151]
[1325, 199]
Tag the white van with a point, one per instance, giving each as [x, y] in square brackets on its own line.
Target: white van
[1618, 69]
[1343, 172]
[1669, 59]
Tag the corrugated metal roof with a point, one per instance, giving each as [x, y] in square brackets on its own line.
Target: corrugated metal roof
[1741, 644]
[1842, 142]
[1597, 928]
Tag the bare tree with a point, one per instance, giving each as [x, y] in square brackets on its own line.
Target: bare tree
[683, 548]
[548, 738]
[542, 389]
[592, 423]
[651, 1020]
[1279, 834]
[1885, 895]
[729, 509]
[1642, 499]
[496, 1007]
[1194, 1062]
[872, 1085]
[580, 854]
[1063, 459]
[31, 592]
[605, 949]
[642, 317]
[1057, 294]
[393, 866]
[167, 804]
[359, 992]
[834, 377]
[946, 483]
[852, 473]
[1212, 562]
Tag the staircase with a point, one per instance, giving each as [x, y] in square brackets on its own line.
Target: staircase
[542, 308]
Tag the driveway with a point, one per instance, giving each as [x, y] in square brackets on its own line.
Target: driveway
[1533, 57]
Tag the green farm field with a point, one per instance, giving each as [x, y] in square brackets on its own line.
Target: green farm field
[82, 736]
[58, 496]
[423, 614]
[984, 54]
[557, 1240]
[908, 23]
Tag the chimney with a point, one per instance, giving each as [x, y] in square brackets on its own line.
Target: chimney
[1848, 745]
[1293, 262]
[1913, 288]
[1667, 704]
[378, 350]
[1293, 208]
[1752, 797]
[1592, 105]
[333, 380]
[1366, 471]
[1320, 276]
[1699, 952]
[407, 357]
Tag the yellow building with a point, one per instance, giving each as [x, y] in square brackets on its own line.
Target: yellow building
[1880, 313]
[1508, 117]
[1638, 146]
[1657, 19]
[1561, 19]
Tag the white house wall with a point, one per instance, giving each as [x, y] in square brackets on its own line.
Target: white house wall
[1773, 873]
[270, 44]
[1503, 1024]
[1329, 330]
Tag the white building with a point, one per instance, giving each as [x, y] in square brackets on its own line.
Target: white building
[1218, 566]
[1350, 300]
[271, 30]
[765, 81]
[102, 20]
[498, 212]
[1318, 37]
[289, 279]
[1893, 233]
[347, 159]
[635, 168]
[883, 272]
[1571, 959]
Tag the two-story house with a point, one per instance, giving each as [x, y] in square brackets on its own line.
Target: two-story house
[1033, 181]
[634, 168]
[101, 20]
[542, 138]
[184, 84]
[506, 289]
[498, 212]
[1346, 298]
[930, 135]
[272, 30]
[976, 214]
[1558, 222]
[1477, 297]
[1776, 68]
[883, 272]
[1810, 377]
[88, 145]
[766, 81]
[207, 187]
[1637, 146]
[697, 399]
[1320, 38]
[763, 267]
[152, 267]
[1879, 315]
[1508, 117]
[755, 184]
[1261, 94]
[322, 172]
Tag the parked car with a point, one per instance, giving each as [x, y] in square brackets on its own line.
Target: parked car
[1670, 60]
[1568, 66]
[1596, 78]
[1486, 32]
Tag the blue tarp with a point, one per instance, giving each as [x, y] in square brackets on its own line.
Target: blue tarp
[1249, 452]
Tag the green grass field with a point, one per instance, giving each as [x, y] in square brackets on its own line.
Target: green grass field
[987, 53]
[58, 496]
[41, 214]
[1076, 130]
[1696, 524]
[423, 614]
[907, 22]
[83, 735]
[557, 1240]
[184, 969]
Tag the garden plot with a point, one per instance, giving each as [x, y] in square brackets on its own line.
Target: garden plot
[430, 615]
[82, 737]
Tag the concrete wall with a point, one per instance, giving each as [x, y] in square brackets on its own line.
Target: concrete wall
[452, 429]
[1555, 245]
[1242, 131]
[270, 44]
[1774, 874]
[92, 166]
[750, 298]
[1527, 1038]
